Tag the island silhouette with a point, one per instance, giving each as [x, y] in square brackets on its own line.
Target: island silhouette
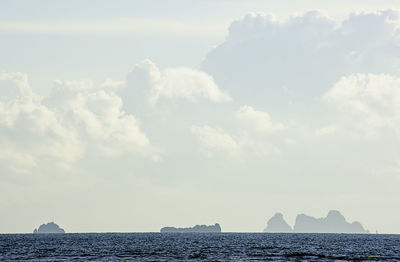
[334, 222]
[196, 229]
[49, 228]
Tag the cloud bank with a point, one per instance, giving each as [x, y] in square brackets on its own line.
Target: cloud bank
[63, 126]
[147, 83]
[373, 101]
[264, 60]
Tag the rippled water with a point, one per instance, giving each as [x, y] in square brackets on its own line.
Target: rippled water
[199, 247]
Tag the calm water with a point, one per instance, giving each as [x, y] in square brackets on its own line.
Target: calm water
[199, 247]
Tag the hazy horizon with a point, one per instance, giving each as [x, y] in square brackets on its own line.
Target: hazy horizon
[129, 116]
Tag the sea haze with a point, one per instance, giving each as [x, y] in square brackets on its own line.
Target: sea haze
[199, 247]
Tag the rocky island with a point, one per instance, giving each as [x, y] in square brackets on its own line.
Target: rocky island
[334, 222]
[277, 224]
[196, 229]
[49, 228]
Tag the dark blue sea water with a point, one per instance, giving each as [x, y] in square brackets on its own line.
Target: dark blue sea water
[199, 247]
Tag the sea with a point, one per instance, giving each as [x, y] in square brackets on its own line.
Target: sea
[199, 247]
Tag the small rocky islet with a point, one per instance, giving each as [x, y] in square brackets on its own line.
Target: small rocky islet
[49, 228]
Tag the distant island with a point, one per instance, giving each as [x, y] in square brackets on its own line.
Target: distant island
[196, 229]
[277, 224]
[49, 228]
[334, 222]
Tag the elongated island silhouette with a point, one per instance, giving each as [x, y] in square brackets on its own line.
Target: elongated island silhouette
[334, 222]
[196, 229]
[49, 228]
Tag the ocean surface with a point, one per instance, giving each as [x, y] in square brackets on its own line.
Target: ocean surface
[199, 247]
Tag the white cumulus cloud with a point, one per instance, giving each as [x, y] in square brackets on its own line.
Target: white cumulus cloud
[29, 131]
[149, 82]
[263, 57]
[99, 117]
[371, 100]
[213, 140]
[62, 127]
[260, 121]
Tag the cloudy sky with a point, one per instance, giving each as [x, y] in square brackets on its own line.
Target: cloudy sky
[129, 116]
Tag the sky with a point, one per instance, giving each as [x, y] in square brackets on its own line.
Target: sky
[128, 116]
